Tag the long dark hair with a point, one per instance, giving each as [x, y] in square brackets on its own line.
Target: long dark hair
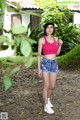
[45, 26]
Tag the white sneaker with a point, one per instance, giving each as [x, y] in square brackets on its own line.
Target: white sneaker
[48, 109]
[49, 103]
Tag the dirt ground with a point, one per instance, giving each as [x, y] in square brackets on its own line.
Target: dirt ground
[23, 101]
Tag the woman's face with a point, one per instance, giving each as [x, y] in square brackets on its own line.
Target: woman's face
[49, 29]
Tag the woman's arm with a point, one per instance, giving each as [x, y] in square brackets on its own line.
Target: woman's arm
[60, 42]
[39, 56]
[59, 50]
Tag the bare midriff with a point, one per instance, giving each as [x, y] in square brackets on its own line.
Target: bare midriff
[50, 56]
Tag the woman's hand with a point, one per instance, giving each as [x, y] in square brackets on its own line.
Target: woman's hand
[60, 42]
[40, 73]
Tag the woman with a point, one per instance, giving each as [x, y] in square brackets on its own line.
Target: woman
[48, 67]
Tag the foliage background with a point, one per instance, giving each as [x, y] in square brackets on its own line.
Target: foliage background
[65, 29]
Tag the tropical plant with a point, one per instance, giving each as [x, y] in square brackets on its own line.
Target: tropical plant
[23, 54]
[21, 46]
[35, 35]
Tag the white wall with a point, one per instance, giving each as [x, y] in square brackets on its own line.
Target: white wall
[26, 20]
[77, 19]
[7, 20]
[7, 26]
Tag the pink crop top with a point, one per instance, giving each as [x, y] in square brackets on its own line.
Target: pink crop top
[49, 48]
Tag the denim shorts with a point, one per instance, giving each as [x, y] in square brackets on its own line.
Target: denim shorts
[48, 65]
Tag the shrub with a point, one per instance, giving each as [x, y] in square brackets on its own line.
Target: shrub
[70, 60]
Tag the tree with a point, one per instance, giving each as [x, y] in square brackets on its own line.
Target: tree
[50, 3]
[44, 3]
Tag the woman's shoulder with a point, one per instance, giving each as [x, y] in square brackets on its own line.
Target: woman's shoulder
[56, 38]
[41, 40]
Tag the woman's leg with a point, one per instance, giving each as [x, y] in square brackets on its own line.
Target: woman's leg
[47, 108]
[45, 86]
[52, 81]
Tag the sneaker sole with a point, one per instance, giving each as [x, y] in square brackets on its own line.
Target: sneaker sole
[48, 113]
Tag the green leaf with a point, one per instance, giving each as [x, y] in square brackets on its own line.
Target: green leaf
[15, 70]
[7, 82]
[18, 29]
[3, 38]
[34, 60]
[35, 14]
[68, 27]
[17, 40]
[8, 69]
[17, 59]
[3, 5]
[11, 43]
[35, 53]
[29, 62]
[31, 41]
[25, 48]
[14, 59]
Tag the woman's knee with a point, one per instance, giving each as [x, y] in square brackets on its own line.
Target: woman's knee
[52, 87]
[46, 87]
